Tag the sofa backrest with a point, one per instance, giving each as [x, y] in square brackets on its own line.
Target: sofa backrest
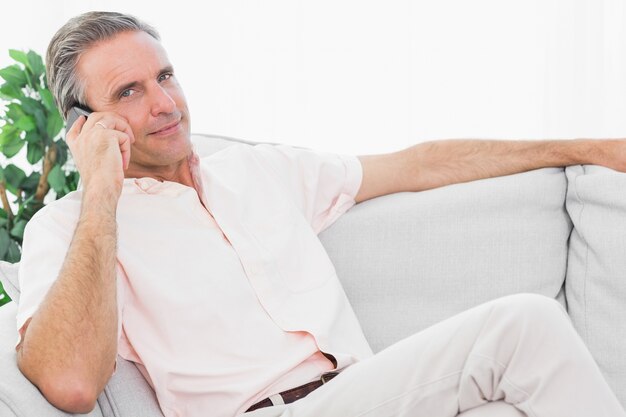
[410, 260]
[596, 270]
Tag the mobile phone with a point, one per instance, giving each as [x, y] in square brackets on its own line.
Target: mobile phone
[74, 113]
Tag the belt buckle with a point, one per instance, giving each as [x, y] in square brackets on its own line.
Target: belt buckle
[328, 376]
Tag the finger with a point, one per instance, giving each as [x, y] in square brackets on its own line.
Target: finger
[124, 143]
[76, 128]
[118, 123]
[126, 128]
[111, 121]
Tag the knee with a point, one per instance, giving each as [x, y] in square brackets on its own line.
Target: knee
[535, 308]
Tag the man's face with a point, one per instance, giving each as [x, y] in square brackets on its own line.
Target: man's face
[131, 75]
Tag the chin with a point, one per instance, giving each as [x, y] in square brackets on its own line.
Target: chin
[181, 149]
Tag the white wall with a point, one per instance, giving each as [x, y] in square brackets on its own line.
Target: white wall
[360, 76]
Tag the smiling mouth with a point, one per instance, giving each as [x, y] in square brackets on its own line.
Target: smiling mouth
[166, 130]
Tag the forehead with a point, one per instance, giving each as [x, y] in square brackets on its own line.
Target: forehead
[127, 57]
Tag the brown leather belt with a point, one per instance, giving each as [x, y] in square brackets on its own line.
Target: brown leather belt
[296, 393]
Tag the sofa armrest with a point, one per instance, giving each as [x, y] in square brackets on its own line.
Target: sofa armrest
[126, 395]
[18, 394]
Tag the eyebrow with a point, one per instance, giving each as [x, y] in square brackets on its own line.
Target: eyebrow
[120, 89]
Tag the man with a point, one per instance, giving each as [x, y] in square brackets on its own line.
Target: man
[208, 273]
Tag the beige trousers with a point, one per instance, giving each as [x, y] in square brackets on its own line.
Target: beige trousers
[514, 356]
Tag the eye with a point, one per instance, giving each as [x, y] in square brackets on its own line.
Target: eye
[127, 93]
[165, 76]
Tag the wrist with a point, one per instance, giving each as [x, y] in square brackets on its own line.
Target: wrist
[99, 201]
[597, 151]
[583, 152]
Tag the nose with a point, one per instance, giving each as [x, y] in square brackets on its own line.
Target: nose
[161, 101]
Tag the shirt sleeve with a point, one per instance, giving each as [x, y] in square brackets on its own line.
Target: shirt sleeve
[47, 239]
[44, 248]
[323, 185]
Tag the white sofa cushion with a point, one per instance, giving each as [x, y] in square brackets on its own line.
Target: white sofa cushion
[8, 277]
[596, 273]
[410, 260]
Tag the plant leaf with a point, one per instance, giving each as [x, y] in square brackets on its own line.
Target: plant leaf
[20, 57]
[15, 112]
[71, 183]
[61, 152]
[26, 123]
[72, 180]
[5, 240]
[11, 149]
[8, 134]
[4, 297]
[47, 99]
[40, 119]
[54, 125]
[33, 137]
[14, 176]
[13, 253]
[32, 80]
[34, 152]
[9, 140]
[9, 91]
[31, 206]
[29, 185]
[31, 106]
[14, 75]
[56, 178]
[18, 229]
[36, 63]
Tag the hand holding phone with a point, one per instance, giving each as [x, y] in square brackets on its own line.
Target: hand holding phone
[74, 113]
[100, 146]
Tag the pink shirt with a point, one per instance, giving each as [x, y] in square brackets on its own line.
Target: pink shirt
[220, 287]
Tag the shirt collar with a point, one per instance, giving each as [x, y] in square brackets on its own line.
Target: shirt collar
[153, 186]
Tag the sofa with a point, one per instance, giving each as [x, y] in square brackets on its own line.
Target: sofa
[410, 260]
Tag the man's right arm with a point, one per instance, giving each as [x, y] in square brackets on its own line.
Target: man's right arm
[69, 346]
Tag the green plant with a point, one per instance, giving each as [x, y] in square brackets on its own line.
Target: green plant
[28, 118]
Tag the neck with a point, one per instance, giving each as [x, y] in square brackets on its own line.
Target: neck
[179, 172]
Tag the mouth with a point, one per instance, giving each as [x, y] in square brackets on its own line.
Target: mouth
[167, 129]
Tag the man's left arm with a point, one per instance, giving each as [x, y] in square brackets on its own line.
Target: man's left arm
[434, 164]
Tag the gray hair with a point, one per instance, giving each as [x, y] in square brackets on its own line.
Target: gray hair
[71, 41]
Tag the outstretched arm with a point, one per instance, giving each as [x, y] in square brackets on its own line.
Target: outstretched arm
[68, 347]
[435, 164]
